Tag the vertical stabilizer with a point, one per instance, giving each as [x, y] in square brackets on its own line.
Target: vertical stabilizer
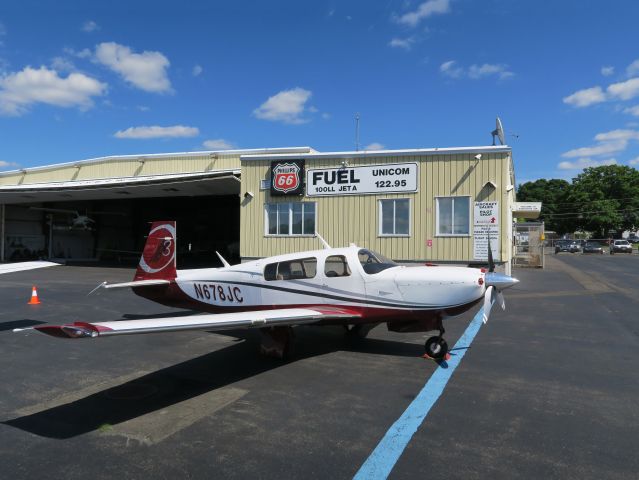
[158, 257]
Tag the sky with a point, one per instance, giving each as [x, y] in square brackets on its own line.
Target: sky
[81, 80]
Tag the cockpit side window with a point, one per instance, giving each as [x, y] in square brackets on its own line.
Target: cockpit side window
[373, 262]
[336, 266]
[291, 270]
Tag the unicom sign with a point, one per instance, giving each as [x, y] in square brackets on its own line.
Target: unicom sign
[373, 179]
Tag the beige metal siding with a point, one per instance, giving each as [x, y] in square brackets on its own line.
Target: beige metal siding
[114, 167]
[345, 219]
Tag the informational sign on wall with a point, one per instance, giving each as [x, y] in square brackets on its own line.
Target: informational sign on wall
[287, 177]
[485, 226]
[371, 179]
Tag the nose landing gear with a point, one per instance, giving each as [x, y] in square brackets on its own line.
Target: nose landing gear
[436, 347]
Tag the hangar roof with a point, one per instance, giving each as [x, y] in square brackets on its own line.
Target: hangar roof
[172, 185]
[132, 176]
[378, 153]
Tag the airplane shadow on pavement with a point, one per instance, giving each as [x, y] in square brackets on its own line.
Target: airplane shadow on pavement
[189, 379]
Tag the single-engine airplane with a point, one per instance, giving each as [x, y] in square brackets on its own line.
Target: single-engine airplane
[351, 286]
[76, 219]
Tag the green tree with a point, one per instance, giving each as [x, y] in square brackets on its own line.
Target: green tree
[553, 196]
[606, 198]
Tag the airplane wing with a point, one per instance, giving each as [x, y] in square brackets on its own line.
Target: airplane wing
[211, 322]
[54, 210]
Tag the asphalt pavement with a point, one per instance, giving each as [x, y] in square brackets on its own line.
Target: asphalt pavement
[548, 388]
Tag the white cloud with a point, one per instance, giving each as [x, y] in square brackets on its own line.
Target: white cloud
[62, 64]
[633, 68]
[586, 97]
[90, 26]
[611, 142]
[632, 110]
[450, 69]
[584, 163]
[218, 144]
[634, 161]
[487, 69]
[21, 89]
[605, 148]
[287, 106]
[453, 70]
[197, 70]
[425, 10]
[4, 164]
[175, 131]
[607, 71]
[405, 43]
[84, 53]
[617, 135]
[624, 90]
[146, 71]
[374, 146]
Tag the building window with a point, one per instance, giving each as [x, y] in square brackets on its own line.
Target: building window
[453, 215]
[295, 218]
[394, 217]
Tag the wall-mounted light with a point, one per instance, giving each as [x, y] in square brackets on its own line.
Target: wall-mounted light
[249, 195]
[509, 188]
[490, 184]
[344, 163]
[478, 156]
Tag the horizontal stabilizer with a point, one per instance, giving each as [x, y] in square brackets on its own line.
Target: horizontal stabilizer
[138, 283]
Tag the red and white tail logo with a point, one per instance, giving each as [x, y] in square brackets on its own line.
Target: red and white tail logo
[158, 257]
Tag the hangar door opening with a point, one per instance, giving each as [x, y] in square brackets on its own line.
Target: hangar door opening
[113, 232]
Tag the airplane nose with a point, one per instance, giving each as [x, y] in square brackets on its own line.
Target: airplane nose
[500, 281]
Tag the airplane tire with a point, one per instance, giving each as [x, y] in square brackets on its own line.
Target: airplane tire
[436, 347]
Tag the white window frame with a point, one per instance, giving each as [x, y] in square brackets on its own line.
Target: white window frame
[380, 222]
[290, 221]
[437, 234]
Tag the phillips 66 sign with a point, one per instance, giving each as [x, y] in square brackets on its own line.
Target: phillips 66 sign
[287, 177]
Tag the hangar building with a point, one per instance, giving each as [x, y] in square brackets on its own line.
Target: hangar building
[412, 205]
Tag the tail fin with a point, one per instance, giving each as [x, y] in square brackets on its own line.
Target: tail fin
[158, 257]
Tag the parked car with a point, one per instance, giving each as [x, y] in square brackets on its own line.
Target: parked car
[620, 246]
[567, 246]
[593, 247]
[633, 239]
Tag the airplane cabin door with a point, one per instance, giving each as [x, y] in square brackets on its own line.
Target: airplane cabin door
[342, 282]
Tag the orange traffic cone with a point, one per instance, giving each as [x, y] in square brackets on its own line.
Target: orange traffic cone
[34, 297]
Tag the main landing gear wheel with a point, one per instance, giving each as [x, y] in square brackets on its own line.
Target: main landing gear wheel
[436, 347]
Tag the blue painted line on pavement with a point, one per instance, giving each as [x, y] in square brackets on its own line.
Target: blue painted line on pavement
[380, 463]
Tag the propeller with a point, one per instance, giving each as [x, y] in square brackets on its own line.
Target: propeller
[491, 261]
[495, 283]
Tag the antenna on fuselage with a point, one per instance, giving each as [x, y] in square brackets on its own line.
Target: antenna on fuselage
[324, 242]
[224, 262]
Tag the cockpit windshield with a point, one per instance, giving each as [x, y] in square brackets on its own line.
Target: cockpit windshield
[373, 262]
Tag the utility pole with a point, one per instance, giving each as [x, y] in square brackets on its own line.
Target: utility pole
[357, 132]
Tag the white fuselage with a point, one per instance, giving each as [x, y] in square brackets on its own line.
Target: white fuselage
[256, 284]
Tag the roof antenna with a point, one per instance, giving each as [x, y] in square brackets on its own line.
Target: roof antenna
[357, 132]
[222, 259]
[326, 245]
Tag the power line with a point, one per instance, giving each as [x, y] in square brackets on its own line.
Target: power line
[592, 212]
[584, 202]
